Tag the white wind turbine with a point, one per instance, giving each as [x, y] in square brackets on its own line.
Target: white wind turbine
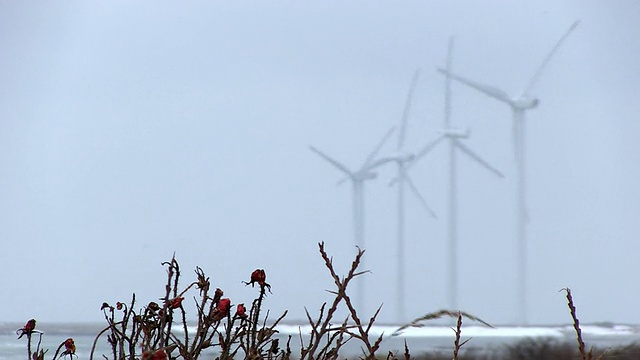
[358, 177]
[404, 160]
[519, 105]
[455, 137]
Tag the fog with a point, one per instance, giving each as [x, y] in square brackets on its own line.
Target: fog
[133, 131]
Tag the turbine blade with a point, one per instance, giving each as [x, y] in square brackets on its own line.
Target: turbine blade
[488, 90]
[477, 158]
[426, 149]
[380, 162]
[341, 181]
[415, 192]
[545, 62]
[405, 112]
[332, 161]
[373, 154]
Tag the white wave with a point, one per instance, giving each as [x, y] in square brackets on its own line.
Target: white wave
[483, 331]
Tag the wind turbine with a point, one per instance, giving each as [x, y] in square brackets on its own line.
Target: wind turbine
[358, 177]
[455, 137]
[519, 105]
[404, 160]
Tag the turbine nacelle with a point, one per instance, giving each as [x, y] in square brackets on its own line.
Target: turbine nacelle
[455, 133]
[522, 102]
[525, 102]
[363, 175]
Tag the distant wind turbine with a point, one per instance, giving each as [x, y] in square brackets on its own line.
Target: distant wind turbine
[404, 160]
[519, 105]
[358, 177]
[455, 137]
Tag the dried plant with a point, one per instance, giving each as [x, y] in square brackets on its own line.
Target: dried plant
[326, 340]
[150, 332]
[419, 322]
[28, 330]
[160, 330]
[457, 345]
[576, 325]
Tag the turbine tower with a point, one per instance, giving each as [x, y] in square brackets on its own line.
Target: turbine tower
[455, 137]
[358, 177]
[404, 160]
[519, 105]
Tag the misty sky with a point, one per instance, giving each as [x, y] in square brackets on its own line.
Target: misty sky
[130, 131]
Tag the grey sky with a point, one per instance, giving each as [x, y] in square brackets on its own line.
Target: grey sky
[132, 131]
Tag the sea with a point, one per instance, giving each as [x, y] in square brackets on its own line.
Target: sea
[438, 338]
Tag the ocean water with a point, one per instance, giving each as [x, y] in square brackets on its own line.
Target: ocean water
[430, 338]
[12, 348]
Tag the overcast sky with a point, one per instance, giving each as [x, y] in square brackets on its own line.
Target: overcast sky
[130, 131]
